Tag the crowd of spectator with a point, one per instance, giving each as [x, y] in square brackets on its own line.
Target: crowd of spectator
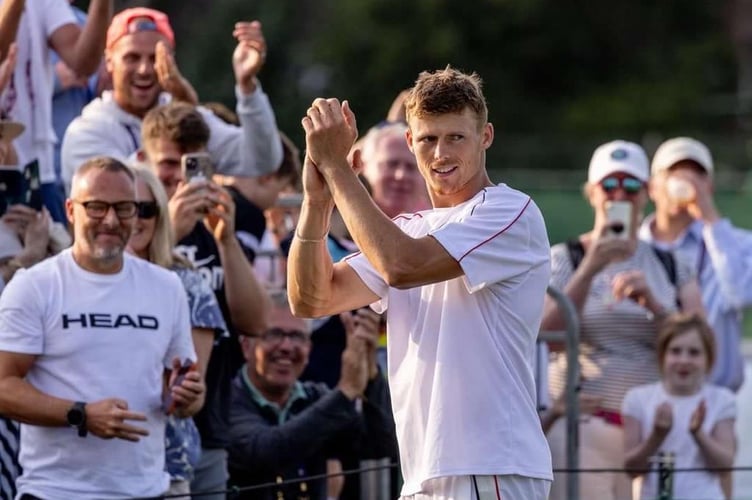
[144, 318]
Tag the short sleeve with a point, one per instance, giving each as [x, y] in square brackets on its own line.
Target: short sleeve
[631, 405]
[21, 316]
[181, 341]
[501, 237]
[726, 404]
[56, 14]
[370, 278]
[202, 302]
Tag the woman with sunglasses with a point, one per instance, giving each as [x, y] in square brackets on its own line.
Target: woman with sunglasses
[153, 240]
[621, 289]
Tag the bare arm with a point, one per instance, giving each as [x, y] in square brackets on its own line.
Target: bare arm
[21, 401]
[690, 298]
[577, 290]
[637, 453]
[203, 341]
[10, 17]
[81, 49]
[315, 286]
[719, 447]
[246, 298]
[402, 261]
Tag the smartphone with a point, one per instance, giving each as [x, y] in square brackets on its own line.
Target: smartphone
[11, 189]
[196, 166]
[619, 217]
[169, 404]
[33, 188]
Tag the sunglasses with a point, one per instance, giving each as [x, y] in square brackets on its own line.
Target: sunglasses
[147, 209]
[630, 185]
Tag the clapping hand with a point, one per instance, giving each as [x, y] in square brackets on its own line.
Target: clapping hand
[169, 76]
[664, 420]
[249, 55]
[331, 130]
[697, 418]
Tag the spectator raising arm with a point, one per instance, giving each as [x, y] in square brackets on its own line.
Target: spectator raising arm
[81, 49]
[247, 300]
[255, 147]
[10, 17]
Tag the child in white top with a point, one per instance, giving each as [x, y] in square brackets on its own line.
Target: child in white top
[682, 414]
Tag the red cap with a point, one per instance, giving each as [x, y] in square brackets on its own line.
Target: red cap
[139, 19]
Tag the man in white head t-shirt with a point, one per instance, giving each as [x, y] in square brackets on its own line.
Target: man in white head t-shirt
[87, 341]
[464, 284]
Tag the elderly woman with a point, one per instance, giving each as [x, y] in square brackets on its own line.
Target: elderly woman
[153, 240]
[622, 288]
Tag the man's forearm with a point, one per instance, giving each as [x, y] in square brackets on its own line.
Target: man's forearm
[10, 17]
[21, 401]
[309, 265]
[91, 43]
[246, 298]
[374, 233]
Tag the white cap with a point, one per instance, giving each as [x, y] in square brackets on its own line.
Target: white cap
[618, 156]
[678, 149]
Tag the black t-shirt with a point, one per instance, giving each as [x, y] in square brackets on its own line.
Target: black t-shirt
[212, 421]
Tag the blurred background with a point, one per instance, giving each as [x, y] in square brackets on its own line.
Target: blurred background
[561, 76]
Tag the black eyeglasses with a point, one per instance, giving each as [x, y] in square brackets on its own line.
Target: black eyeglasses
[98, 209]
[630, 185]
[275, 336]
[147, 209]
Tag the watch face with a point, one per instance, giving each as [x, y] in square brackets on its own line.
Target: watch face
[75, 416]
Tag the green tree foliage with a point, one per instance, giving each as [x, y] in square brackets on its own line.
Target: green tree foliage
[560, 75]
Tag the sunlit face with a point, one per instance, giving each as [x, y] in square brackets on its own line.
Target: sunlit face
[685, 363]
[394, 176]
[131, 63]
[273, 367]
[618, 186]
[164, 156]
[450, 151]
[664, 204]
[144, 227]
[99, 242]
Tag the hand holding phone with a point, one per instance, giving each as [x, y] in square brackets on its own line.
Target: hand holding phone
[169, 403]
[619, 218]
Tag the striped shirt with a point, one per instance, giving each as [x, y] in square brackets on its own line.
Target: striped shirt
[617, 339]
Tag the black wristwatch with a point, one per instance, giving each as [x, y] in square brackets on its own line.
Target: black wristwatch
[76, 417]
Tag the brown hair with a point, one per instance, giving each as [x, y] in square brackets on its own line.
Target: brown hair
[178, 122]
[680, 323]
[446, 91]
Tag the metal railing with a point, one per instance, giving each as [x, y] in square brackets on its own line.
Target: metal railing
[570, 337]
